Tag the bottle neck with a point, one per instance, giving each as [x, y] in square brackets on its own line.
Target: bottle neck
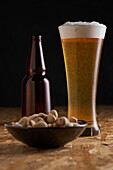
[42, 73]
[36, 63]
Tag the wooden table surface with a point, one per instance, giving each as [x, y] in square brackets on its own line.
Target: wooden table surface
[87, 153]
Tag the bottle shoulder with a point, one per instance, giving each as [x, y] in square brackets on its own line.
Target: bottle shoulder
[35, 78]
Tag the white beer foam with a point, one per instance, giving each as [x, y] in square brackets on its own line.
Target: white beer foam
[82, 30]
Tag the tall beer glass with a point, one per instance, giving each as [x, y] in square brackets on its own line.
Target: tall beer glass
[82, 44]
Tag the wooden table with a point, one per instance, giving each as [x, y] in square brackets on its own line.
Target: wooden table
[87, 153]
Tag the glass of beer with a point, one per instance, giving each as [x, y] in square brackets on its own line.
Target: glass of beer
[82, 45]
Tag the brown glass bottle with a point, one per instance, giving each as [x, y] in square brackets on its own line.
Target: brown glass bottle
[36, 87]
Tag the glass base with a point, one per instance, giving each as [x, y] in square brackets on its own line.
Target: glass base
[91, 131]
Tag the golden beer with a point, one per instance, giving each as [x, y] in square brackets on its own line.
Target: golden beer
[80, 58]
[82, 54]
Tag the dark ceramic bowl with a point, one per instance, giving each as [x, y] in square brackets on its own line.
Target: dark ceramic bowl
[50, 137]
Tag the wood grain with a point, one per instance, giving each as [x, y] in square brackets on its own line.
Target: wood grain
[83, 153]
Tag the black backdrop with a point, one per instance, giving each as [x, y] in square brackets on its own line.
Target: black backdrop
[20, 19]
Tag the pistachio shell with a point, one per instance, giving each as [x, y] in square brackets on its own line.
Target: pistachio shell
[30, 123]
[37, 119]
[75, 124]
[73, 119]
[62, 121]
[23, 121]
[41, 124]
[34, 116]
[42, 115]
[55, 113]
[50, 118]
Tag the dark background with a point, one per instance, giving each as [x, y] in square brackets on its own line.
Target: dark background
[20, 19]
